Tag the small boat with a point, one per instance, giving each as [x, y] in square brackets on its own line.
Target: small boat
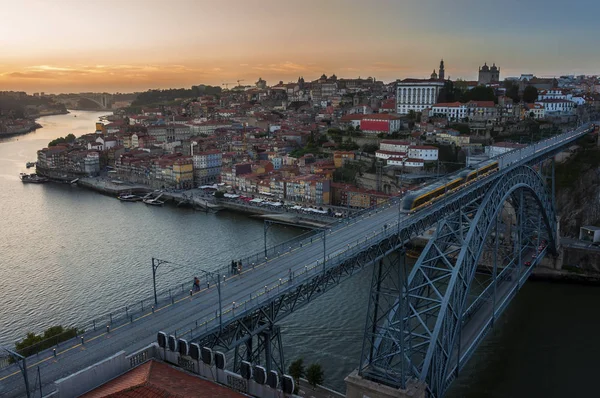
[154, 202]
[32, 178]
[129, 198]
[74, 181]
[30, 164]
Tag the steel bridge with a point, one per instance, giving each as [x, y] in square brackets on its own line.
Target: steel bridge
[424, 321]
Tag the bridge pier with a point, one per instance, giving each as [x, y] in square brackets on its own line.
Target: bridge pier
[359, 387]
[554, 262]
[267, 350]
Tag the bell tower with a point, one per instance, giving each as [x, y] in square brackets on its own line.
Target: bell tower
[441, 74]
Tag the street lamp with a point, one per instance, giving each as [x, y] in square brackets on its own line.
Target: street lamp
[213, 276]
[18, 358]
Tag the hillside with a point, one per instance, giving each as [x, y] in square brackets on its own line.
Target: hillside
[578, 189]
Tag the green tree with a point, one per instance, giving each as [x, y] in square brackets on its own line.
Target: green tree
[33, 343]
[412, 117]
[447, 93]
[296, 370]
[370, 148]
[479, 93]
[462, 128]
[219, 194]
[512, 91]
[315, 374]
[530, 94]
[70, 138]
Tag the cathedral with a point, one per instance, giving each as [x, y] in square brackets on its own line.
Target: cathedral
[488, 75]
[441, 76]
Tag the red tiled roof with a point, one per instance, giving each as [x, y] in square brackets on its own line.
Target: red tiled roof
[380, 116]
[423, 147]
[355, 116]
[159, 380]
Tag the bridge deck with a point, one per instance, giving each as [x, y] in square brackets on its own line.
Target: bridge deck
[247, 289]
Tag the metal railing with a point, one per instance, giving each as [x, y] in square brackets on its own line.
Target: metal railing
[283, 285]
[128, 313]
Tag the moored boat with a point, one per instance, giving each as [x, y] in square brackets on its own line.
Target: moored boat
[30, 164]
[154, 202]
[32, 178]
[129, 198]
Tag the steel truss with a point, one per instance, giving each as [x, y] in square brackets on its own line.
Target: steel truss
[254, 321]
[260, 321]
[439, 315]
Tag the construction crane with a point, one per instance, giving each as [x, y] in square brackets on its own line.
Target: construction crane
[227, 85]
[239, 85]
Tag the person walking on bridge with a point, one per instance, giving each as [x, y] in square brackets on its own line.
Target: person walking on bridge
[196, 286]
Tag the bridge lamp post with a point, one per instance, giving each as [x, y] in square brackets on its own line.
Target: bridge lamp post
[155, 264]
[23, 367]
[324, 247]
[216, 278]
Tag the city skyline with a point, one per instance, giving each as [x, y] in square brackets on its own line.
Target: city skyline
[112, 46]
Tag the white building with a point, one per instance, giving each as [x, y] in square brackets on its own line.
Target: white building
[387, 155]
[457, 111]
[207, 167]
[417, 94]
[538, 111]
[500, 148]
[555, 93]
[394, 145]
[557, 106]
[406, 162]
[423, 152]
[92, 163]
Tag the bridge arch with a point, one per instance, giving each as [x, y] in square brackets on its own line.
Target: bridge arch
[421, 339]
[526, 188]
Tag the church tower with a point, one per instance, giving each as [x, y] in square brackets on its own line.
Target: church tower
[441, 74]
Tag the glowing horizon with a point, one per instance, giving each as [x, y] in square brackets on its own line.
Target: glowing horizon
[115, 46]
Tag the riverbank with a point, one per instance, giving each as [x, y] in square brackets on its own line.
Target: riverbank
[33, 126]
[199, 200]
[21, 131]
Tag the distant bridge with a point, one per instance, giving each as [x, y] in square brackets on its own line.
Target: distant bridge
[103, 100]
[423, 323]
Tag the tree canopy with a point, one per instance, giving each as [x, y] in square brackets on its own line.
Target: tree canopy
[479, 93]
[34, 343]
[512, 91]
[70, 138]
[161, 96]
[315, 374]
[530, 94]
[448, 93]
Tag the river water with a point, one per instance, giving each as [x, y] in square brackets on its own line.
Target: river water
[67, 254]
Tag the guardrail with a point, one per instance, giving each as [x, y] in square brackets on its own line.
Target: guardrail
[127, 313]
[283, 285]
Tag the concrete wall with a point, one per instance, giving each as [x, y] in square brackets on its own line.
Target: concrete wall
[357, 387]
[92, 376]
[588, 260]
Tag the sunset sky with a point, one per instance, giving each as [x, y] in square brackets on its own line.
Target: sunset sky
[133, 45]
